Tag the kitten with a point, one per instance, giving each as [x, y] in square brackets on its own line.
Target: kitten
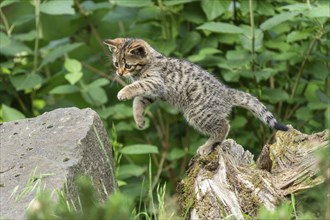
[204, 101]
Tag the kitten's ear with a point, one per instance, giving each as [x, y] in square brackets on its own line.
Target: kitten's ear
[138, 48]
[113, 44]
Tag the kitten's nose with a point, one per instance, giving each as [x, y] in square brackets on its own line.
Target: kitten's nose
[120, 72]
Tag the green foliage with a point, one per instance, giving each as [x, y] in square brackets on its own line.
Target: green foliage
[118, 206]
[284, 211]
[140, 149]
[52, 56]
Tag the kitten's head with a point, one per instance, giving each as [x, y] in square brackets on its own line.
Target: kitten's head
[129, 56]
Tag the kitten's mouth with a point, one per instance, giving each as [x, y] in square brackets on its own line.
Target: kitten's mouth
[122, 74]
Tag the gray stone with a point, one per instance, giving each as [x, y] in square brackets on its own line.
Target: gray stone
[51, 151]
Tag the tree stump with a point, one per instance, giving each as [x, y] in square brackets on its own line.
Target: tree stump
[228, 182]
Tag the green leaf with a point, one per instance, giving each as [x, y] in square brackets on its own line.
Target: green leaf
[121, 183]
[310, 92]
[175, 154]
[124, 126]
[139, 149]
[99, 83]
[317, 105]
[323, 97]
[149, 13]
[246, 38]
[231, 76]
[285, 56]
[197, 57]
[166, 47]
[190, 40]
[132, 3]
[177, 2]
[229, 39]
[58, 52]
[4, 40]
[25, 81]
[275, 95]
[118, 111]
[297, 35]
[95, 96]
[7, 2]
[64, 89]
[319, 11]
[168, 108]
[202, 54]
[219, 27]
[209, 51]
[212, 8]
[58, 7]
[238, 122]
[129, 170]
[277, 19]
[13, 48]
[26, 36]
[296, 7]
[91, 6]
[120, 14]
[73, 77]
[304, 113]
[265, 74]
[23, 19]
[278, 45]
[320, 68]
[11, 114]
[193, 14]
[72, 65]
[237, 55]
[265, 8]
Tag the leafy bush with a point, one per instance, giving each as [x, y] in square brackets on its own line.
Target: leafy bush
[118, 206]
[52, 56]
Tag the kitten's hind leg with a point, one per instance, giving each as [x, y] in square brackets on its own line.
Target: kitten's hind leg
[218, 137]
[139, 105]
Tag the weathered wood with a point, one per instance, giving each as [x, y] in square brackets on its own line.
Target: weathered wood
[228, 182]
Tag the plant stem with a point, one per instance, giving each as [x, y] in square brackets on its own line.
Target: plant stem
[163, 135]
[36, 42]
[5, 22]
[252, 34]
[90, 24]
[163, 20]
[121, 27]
[159, 170]
[235, 11]
[302, 67]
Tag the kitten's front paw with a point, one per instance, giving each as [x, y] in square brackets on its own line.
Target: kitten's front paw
[123, 95]
[140, 124]
[139, 120]
[204, 150]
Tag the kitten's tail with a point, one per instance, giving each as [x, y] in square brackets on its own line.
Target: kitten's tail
[251, 103]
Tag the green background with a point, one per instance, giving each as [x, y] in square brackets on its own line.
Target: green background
[52, 56]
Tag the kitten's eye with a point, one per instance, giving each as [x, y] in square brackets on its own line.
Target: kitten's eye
[116, 64]
[127, 66]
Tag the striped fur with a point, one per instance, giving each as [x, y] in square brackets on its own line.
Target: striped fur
[204, 101]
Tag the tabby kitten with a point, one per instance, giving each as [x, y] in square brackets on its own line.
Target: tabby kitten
[204, 101]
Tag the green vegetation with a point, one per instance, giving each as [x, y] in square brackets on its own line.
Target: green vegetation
[52, 56]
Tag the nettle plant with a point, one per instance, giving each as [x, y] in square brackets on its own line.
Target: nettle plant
[52, 56]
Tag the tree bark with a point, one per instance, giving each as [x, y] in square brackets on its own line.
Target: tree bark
[228, 182]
